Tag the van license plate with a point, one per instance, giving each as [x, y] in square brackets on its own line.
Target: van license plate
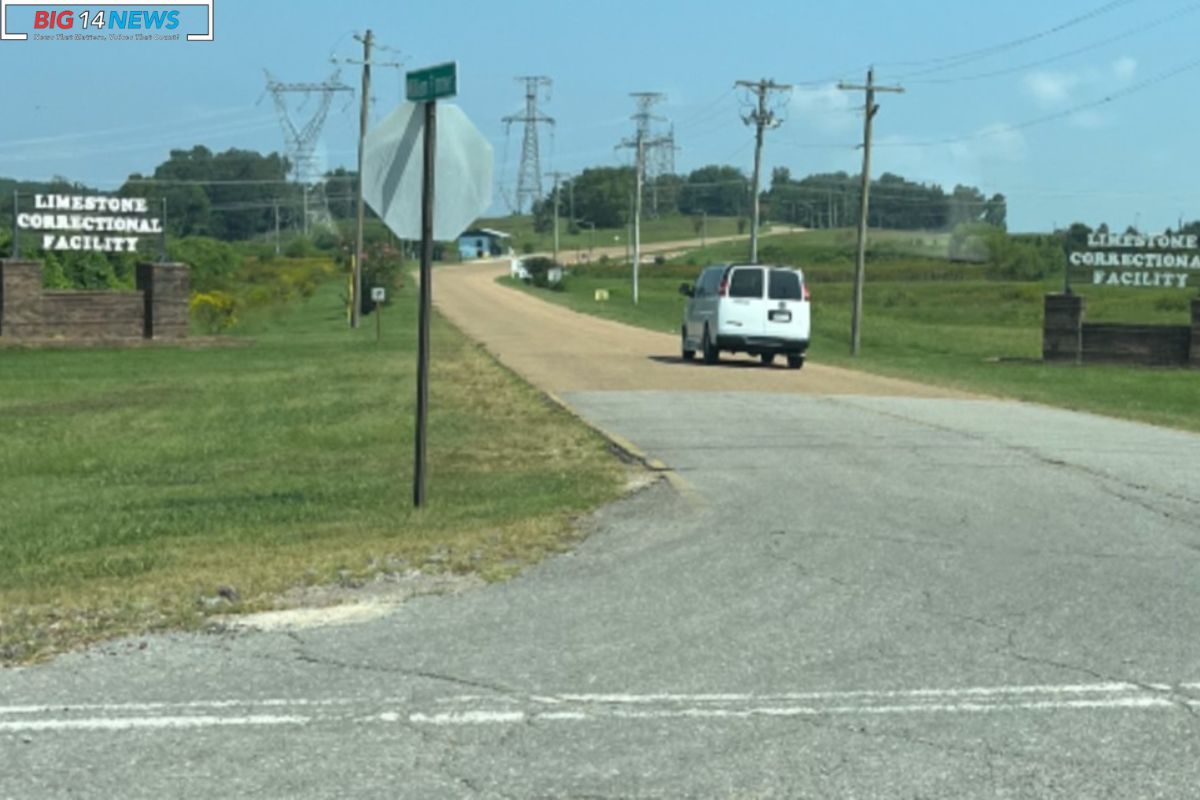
[780, 316]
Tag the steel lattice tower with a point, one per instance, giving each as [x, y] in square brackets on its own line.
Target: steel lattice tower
[660, 150]
[529, 178]
[301, 141]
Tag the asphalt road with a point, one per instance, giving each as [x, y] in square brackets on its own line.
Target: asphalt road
[855, 595]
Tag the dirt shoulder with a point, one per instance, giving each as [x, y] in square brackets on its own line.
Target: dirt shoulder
[560, 350]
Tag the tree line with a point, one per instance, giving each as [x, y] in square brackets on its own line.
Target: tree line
[603, 196]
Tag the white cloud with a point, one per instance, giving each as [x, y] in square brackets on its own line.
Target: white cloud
[1052, 88]
[1124, 68]
[1059, 89]
[825, 107]
[997, 142]
[1089, 120]
[994, 151]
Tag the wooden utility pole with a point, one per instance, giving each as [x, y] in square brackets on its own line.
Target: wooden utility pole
[368, 42]
[557, 176]
[860, 267]
[356, 308]
[762, 118]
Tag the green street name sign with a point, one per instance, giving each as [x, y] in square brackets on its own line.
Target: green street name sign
[432, 83]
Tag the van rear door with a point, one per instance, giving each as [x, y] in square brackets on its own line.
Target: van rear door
[787, 315]
[744, 311]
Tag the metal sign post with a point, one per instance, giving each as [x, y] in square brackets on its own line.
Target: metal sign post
[427, 86]
[378, 296]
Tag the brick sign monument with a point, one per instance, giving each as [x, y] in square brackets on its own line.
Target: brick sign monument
[157, 309]
[1133, 261]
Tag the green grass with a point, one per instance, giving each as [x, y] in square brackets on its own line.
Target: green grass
[969, 334]
[671, 228]
[134, 483]
[828, 256]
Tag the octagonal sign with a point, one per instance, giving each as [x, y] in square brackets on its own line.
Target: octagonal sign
[392, 162]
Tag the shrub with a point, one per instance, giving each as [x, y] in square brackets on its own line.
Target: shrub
[539, 272]
[215, 311]
[299, 247]
[212, 262]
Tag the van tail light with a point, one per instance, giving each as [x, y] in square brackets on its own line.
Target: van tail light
[723, 288]
[804, 291]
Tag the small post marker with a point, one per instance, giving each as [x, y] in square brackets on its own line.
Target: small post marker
[378, 296]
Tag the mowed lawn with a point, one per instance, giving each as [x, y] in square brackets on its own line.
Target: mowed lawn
[135, 484]
[971, 334]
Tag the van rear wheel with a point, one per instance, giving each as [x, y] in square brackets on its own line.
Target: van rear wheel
[795, 362]
[711, 353]
[688, 355]
[767, 359]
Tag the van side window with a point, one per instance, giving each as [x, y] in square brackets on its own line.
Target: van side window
[785, 285]
[747, 283]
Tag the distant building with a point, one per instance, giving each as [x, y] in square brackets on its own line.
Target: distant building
[483, 243]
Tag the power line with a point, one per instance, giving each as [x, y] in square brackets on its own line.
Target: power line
[1042, 120]
[958, 59]
[1068, 54]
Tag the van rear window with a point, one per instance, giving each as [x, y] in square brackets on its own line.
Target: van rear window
[785, 285]
[746, 283]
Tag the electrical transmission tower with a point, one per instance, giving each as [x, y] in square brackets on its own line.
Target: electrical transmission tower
[300, 141]
[762, 117]
[529, 178]
[643, 142]
[660, 150]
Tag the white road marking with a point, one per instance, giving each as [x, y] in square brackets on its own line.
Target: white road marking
[864, 694]
[135, 723]
[499, 709]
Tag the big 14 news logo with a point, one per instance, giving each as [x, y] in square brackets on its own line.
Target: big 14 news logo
[104, 19]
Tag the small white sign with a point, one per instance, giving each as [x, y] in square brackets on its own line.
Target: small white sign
[378, 294]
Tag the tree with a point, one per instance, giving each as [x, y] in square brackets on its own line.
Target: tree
[717, 190]
[996, 212]
[1076, 236]
[603, 195]
[229, 195]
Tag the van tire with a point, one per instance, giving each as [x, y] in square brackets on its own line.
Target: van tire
[688, 355]
[711, 353]
[795, 362]
[768, 359]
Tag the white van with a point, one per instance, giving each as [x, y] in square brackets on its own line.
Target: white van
[747, 308]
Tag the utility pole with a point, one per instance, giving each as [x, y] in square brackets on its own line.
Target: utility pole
[529, 179]
[557, 176]
[641, 142]
[368, 42]
[860, 267]
[275, 205]
[356, 309]
[762, 118]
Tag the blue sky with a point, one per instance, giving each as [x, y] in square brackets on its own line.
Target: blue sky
[97, 111]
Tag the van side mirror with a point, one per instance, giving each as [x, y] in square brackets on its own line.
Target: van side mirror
[686, 290]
